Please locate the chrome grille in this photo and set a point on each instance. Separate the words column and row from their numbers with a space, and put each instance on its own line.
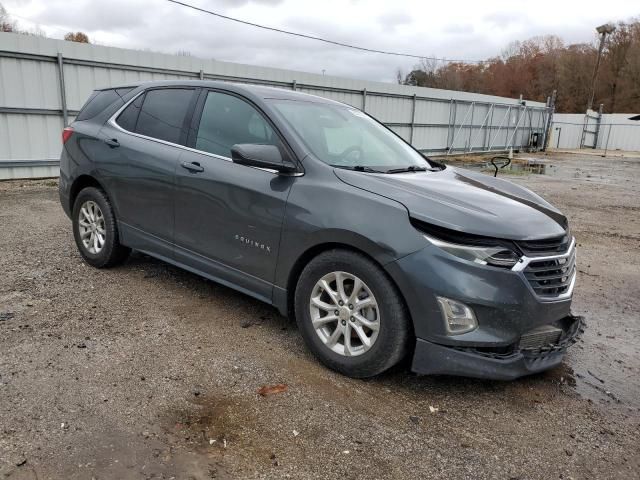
column 550, row 277
column 551, row 246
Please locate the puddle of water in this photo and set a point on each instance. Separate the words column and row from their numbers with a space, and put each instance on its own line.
column 516, row 167
column 535, row 168
column 591, row 170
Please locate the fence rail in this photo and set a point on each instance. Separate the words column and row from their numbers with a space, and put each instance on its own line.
column 430, row 121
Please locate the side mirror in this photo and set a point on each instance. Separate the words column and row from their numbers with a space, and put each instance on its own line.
column 261, row 156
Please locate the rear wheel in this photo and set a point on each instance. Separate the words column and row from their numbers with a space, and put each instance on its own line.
column 351, row 315
column 95, row 229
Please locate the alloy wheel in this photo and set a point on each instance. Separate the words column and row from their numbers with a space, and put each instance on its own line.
column 344, row 313
column 91, row 226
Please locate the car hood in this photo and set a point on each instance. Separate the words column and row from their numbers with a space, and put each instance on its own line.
column 466, row 201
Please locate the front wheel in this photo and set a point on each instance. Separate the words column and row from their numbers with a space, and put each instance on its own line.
column 95, row 229
column 351, row 315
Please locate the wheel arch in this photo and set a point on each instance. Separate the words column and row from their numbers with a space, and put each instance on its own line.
column 81, row 182
column 314, row 251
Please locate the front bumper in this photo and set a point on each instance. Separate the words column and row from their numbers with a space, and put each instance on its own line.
column 505, row 304
column 432, row 359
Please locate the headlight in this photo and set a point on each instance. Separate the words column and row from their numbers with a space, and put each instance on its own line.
column 496, row 256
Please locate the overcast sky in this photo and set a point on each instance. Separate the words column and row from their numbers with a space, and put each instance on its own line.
column 462, row 29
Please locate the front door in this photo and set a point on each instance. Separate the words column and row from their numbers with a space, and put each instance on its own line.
column 228, row 217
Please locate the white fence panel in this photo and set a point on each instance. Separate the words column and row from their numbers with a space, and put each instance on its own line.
column 616, row 131
column 33, row 70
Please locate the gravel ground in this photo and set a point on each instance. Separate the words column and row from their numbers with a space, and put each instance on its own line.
column 146, row 371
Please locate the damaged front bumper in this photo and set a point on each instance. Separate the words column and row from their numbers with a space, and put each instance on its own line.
column 496, row 364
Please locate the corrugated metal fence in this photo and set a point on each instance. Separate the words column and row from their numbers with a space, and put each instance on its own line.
column 44, row 83
column 604, row 131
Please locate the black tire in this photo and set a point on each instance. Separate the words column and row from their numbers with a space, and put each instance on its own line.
column 395, row 331
column 112, row 252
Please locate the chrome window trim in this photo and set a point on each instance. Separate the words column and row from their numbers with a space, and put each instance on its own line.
column 113, row 123
column 525, row 261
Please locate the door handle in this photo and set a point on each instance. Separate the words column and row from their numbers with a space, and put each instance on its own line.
column 192, row 167
column 112, row 142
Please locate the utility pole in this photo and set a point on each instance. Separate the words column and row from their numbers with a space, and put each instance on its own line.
column 603, row 30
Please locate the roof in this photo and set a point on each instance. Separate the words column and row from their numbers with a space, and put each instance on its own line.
column 259, row 91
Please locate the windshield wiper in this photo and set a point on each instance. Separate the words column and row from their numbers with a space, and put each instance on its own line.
column 359, row 168
column 410, row 168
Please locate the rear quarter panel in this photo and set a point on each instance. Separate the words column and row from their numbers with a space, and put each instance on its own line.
column 82, row 153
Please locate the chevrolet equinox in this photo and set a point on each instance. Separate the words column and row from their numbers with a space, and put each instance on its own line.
column 318, row 209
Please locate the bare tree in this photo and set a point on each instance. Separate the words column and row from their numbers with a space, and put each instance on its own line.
column 399, row 76
column 617, row 59
column 539, row 65
column 6, row 23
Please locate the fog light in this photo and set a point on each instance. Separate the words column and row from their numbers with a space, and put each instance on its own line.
column 458, row 318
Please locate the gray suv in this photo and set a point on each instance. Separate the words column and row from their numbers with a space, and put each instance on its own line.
column 315, row 207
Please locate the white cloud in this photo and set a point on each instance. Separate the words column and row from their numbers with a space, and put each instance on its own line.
column 464, row 29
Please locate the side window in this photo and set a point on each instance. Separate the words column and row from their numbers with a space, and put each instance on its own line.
column 227, row 120
column 129, row 116
column 123, row 91
column 163, row 113
column 98, row 101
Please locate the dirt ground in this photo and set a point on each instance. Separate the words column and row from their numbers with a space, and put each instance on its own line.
column 146, row 371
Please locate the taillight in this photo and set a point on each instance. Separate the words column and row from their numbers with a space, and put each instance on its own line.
column 66, row 134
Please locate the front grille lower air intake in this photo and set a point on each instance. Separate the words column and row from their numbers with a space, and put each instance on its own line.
column 544, row 336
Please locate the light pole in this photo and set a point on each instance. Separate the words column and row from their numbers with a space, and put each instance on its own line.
column 603, row 30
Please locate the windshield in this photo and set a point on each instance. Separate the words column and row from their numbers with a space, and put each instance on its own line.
column 345, row 137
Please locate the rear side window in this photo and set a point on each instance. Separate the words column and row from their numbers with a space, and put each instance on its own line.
column 129, row 116
column 162, row 114
column 123, row 91
column 98, row 101
column 227, row 120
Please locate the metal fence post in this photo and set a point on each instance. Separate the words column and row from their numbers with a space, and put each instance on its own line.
column 487, row 132
column 473, row 111
column 364, row 99
column 506, row 131
column 547, row 127
column 606, row 147
column 452, row 105
column 63, row 94
column 598, row 122
column 585, row 122
column 559, row 133
column 413, row 119
column 201, row 74
column 531, row 116
column 294, row 85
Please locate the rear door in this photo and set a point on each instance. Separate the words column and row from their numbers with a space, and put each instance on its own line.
column 143, row 144
column 228, row 216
